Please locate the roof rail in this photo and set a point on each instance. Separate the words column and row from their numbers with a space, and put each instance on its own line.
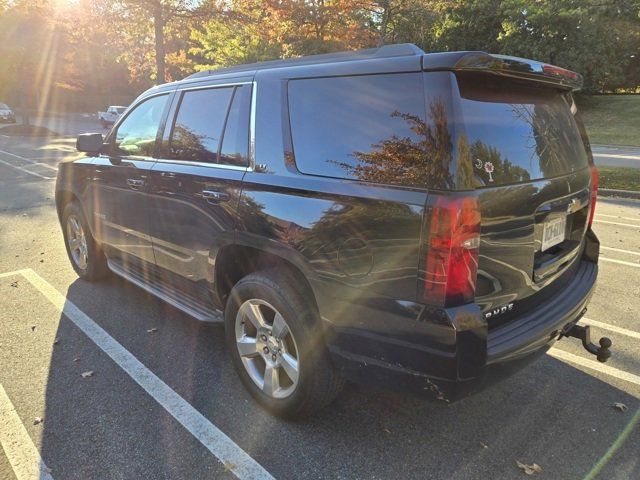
column 397, row 50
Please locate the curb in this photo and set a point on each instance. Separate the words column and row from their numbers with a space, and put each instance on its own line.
column 609, row 192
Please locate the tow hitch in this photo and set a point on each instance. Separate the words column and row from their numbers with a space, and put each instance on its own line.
column 602, row 352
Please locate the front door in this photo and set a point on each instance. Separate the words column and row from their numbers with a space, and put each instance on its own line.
column 121, row 181
column 196, row 183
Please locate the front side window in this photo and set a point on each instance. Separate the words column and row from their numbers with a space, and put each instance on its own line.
column 198, row 126
column 136, row 135
column 370, row 128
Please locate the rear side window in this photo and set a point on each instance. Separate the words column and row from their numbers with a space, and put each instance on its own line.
column 514, row 133
column 235, row 143
column 370, row 128
column 197, row 131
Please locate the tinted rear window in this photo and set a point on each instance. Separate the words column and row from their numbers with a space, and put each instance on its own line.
column 198, row 126
column 369, row 128
column 509, row 133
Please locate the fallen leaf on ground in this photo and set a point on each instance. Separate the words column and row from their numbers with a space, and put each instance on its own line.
column 33, row 328
column 484, row 445
column 76, row 359
column 87, row 374
column 56, row 341
column 14, row 284
column 228, row 466
column 387, row 430
column 532, row 469
column 152, row 330
column 38, row 420
column 620, row 406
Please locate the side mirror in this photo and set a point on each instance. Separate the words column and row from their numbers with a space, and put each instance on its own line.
column 89, row 142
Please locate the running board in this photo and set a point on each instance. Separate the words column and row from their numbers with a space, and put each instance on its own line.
column 184, row 302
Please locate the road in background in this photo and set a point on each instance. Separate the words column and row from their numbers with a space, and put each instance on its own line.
column 616, row 156
column 558, row 412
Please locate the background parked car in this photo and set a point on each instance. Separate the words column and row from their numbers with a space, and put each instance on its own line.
column 6, row 114
column 111, row 115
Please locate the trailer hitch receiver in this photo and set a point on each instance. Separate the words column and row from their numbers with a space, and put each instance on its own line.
column 602, row 352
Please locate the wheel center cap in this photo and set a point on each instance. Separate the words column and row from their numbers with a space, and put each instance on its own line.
column 273, row 344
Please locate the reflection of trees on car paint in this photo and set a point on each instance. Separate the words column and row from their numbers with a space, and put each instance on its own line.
column 188, row 145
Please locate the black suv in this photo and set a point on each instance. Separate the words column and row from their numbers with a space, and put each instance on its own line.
column 407, row 220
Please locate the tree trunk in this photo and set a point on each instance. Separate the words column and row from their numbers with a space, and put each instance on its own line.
column 158, row 25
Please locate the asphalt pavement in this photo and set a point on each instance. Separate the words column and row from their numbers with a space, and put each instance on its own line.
column 163, row 400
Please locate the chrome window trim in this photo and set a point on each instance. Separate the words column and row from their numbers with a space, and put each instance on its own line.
column 252, row 127
column 210, row 86
column 203, row 164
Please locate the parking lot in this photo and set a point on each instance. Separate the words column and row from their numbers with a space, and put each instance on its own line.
column 104, row 381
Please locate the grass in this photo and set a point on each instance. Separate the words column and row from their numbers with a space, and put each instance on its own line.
column 611, row 119
column 619, row 178
column 27, row 131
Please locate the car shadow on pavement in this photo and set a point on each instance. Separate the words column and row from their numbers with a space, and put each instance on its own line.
column 107, row 426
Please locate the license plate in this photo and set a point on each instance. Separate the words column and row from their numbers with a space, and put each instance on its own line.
column 553, row 232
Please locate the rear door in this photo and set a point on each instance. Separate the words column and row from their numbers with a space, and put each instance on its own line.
column 519, row 146
column 121, row 180
column 195, row 186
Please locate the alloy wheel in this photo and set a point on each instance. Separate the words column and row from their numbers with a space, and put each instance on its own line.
column 267, row 348
column 77, row 242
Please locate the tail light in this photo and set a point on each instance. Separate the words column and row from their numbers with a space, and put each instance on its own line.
column 594, row 193
column 451, row 251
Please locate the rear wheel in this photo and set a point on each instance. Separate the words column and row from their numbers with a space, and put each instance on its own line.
column 274, row 335
column 84, row 253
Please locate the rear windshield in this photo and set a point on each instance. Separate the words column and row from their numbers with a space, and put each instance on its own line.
column 508, row 133
column 120, row 110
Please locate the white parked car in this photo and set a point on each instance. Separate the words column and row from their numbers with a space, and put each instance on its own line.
column 111, row 115
column 6, row 114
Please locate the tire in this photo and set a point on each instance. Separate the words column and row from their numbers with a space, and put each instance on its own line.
column 86, row 257
column 317, row 382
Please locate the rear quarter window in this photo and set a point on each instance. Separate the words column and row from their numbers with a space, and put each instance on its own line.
column 371, row 128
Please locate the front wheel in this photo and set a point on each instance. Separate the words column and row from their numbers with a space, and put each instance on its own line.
column 84, row 253
column 274, row 335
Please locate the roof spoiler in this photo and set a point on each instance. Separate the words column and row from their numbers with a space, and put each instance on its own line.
column 503, row 65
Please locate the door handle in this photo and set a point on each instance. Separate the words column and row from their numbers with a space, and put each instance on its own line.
column 215, row 197
column 135, row 182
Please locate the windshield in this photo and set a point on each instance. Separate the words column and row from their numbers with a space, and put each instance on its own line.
column 516, row 133
column 3, row 106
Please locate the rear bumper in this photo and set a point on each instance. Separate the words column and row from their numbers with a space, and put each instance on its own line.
column 471, row 357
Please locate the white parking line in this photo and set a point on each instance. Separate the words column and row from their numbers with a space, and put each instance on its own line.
column 22, row 454
column 615, row 155
column 620, row 262
column 25, row 170
column 597, row 366
column 16, row 156
column 616, row 223
column 619, row 250
column 618, row 216
column 612, row 328
column 217, row 442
